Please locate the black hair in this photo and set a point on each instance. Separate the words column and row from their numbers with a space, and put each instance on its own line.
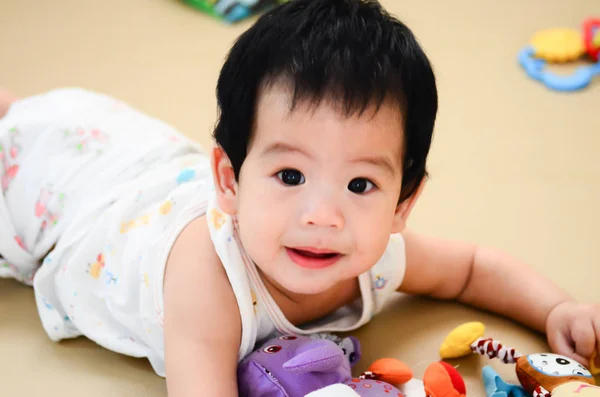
column 350, row 51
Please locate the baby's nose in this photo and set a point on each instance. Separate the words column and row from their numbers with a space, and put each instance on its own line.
column 323, row 211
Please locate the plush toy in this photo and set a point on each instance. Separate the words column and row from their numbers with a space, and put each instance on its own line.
column 495, row 386
column 320, row 366
column 290, row 366
column 377, row 381
column 541, row 375
column 439, row 380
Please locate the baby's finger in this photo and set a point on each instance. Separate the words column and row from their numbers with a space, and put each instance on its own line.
column 584, row 337
column 560, row 343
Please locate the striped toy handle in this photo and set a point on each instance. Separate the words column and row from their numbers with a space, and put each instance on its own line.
column 494, row 349
column 541, row 392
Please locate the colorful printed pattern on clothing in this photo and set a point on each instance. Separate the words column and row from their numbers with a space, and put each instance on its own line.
column 87, row 140
column 96, row 192
column 8, row 158
column 49, row 216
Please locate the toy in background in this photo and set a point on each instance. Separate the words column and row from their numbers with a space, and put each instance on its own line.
column 320, row 366
column 591, row 37
column 540, row 375
column 232, row 11
column 559, row 46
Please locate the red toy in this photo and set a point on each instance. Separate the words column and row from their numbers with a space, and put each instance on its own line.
column 591, row 37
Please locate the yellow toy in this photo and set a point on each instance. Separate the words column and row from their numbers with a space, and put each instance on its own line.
column 558, row 45
column 458, row 342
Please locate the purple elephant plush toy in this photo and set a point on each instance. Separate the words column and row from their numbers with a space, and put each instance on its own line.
column 294, row 366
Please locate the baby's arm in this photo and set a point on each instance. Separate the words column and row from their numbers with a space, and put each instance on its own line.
column 202, row 321
column 483, row 277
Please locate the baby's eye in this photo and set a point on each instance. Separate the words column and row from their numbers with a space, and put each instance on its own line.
column 360, row 185
column 291, row 177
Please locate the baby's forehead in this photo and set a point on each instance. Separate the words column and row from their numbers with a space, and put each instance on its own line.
column 283, row 96
column 280, row 118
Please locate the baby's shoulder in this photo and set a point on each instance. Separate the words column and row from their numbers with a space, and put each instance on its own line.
column 194, row 243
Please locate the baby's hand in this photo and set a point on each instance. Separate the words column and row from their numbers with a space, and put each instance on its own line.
column 573, row 330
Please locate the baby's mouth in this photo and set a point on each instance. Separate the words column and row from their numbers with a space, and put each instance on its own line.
column 316, row 254
column 313, row 258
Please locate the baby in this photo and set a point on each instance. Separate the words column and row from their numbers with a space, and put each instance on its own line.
column 295, row 222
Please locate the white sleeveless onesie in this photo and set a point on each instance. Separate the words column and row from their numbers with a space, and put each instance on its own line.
column 93, row 196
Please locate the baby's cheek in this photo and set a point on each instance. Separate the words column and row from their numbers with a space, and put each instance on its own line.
column 371, row 243
column 371, row 240
column 260, row 230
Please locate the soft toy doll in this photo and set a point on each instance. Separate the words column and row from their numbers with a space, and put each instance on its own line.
column 299, row 366
column 293, row 366
column 541, row 374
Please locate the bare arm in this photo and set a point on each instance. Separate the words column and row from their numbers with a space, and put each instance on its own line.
column 202, row 321
column 482, row 277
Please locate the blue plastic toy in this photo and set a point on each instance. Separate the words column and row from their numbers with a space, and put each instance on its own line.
column 536, row 69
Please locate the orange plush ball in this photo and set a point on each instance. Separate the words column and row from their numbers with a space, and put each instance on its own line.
column 443, row 380
column 391, row 370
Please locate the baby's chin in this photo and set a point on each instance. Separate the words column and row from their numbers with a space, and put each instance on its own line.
column 300, row 284
column 298, row 287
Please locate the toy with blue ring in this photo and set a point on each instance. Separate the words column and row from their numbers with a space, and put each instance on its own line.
column 561, row 46
column 536, row 69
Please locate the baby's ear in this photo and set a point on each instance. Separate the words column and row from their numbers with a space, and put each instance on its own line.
column 224, row 181
column 404, row 209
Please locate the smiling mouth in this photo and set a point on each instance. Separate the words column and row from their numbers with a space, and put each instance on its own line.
column 315, row 254
column 313, row 258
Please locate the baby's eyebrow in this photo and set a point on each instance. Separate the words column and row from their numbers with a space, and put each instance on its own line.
column 282, row 147
column 383, row 162
column 379, row 162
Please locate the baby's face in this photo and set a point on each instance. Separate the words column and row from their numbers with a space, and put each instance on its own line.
column 318, row 192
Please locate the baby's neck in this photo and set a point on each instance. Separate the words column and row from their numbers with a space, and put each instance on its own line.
column 300, row 309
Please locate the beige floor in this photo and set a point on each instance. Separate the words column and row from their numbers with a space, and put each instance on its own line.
column 513, row 165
